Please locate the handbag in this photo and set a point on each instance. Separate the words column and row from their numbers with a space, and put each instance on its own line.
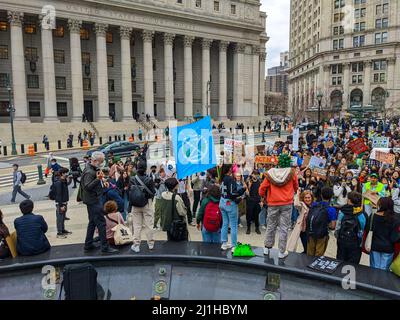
column 395, row 266
column 122, row 234
column 178, row 230
column 368, row 239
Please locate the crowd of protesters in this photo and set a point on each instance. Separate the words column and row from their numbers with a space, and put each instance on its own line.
column 347, row 199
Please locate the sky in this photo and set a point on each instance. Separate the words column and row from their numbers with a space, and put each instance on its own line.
column 278, row 16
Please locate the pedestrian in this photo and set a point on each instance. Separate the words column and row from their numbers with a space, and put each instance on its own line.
column 45, row 141
column 4, row 234
column 75, row 170
column 92, row 182
column 60, row 194
column 17, row 184
column 159, row 184
column 183, row 191
column 253, row 200
column 197, row 186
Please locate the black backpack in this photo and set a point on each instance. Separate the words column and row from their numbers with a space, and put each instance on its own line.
column 137, row 193
column 349, row 230
column 178, row 230
column 23, row 177
column 52, row 192
column 317, row 221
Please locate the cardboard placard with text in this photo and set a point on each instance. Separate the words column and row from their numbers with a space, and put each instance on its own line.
column 267, row 160
column 329, row 144
column 387, row 158
column 373, row 197
column 357, row 146
column 320, row 173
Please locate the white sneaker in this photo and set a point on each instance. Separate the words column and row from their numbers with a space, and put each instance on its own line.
column 240, row 225
column 151, row 246
column 225, row 246
column 264, row 227
column 233, row 250
column 135, row 248
column 266, row 251
column 283, row 255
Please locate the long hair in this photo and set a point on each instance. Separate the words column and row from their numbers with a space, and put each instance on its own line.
column 386, row 205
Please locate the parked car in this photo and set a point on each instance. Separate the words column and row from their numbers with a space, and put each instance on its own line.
column 118, row 148
column 308, row 126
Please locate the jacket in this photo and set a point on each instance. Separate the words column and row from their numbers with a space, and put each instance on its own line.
column 279, row 187
column 300, row 225
column 380, row 188
column 31, row 238
column 61, row 191
column 92, row 190
column 166, row 209
column 148, row 182
column 201, row 211
column 385, row 235
column 349, row 210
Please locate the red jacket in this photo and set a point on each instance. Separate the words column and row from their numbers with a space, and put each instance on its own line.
column 279, row 195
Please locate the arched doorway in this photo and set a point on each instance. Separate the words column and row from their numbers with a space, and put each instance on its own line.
column 356, row 98
column 336, row 99
column 378, row 98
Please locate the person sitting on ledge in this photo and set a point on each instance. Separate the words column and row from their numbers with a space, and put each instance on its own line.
column 113, row 218
column 31, row 231
column 4, row 233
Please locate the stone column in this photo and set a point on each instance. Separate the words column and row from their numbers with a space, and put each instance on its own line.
column 188, row 77
column 325, row 87
column 76, row 69
column 18, row 66
column 49, row 79
column 205, row 76
column 261, row 101
column 223, row 91
column 126, row 76
column 256, row 79
column 311, row 94
column 169, row 75
column 148, row 72
column 346, row 86
column 367, row 82
column 102, row 72
column 238, row 87
column 390, row 82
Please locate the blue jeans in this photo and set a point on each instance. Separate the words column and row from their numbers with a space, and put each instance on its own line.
column 263, row 217
column 126, row 205
column 229, row 218
column 211, row 237
column 380, row 260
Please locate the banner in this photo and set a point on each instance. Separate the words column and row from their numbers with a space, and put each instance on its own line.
column 357, row 146
column 267, row 160
column 380, row 142
column 296, row 136
column 387, row 158
column 194, row 148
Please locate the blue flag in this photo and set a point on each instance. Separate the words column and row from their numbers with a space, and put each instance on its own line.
column 194, row 148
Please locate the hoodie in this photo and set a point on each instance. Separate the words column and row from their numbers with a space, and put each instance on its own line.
column 348, row 210
column 279, row 187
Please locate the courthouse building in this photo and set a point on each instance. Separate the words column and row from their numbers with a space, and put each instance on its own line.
column 166, row 58
column 348, row 51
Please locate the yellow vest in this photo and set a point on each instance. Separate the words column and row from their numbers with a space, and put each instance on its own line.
column 379, row 187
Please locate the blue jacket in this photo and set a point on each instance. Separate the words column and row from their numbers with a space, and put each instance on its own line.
column 31, row 238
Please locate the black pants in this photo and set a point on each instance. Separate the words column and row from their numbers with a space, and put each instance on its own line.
column 96, row 219
column 252, row 212
column 348, row 253
column 186, row 201
column 169, row 238
column 304, row 238
column 75, row 181
column 196, row 200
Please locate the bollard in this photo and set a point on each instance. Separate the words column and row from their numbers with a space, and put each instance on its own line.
column 115, row 138
column 101, row 140
column 5, row 150
column 22, row 148
column 59, row 144
column 279, row 133
column 35, row 147
column 119, row 137
column 40, row 173
column 221, row 140
column 81, row 143
column 109, row 139
column 263, row 137
column 124, row 137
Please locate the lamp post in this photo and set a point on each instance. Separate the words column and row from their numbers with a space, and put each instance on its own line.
column 208, row 95
column 11, row 110
column 319, row 98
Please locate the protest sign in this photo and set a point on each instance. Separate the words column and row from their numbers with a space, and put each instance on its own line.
column 296, row 136
column 267, row 160
column 387, row 158
column 329, row 144
column 380, row 142
column 373, row 197
column 396, row 150
column 324, row 264
column 306, row 161
column 317, row 162
column 320, row 173
column 357, row 146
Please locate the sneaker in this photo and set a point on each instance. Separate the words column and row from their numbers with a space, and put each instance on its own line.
column 66, row 232
column 248, row 230
column 67, row 219
column 264, row 227
column 193, row 224
column 109, row 251
column 266, row 251
column 283, row 255
column 225, row 246
column 61, row 236
column 240, row 225
column 151, row 246
column 92, row 247
column 258, row 231
column 233, row 250
column 135, row 248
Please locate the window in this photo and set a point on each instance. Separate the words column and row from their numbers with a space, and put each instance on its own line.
column 216, row 6
column 357, row 67
column 233, row 9
column 133, row 86
column 339, row 4
column 3, row 80
column 3, row 109
column 337, row 69
column 84, row 34
column 109, row 37
column 154, row 65
column 34, row 108
column 61, row 83
column 381, row 37
column 385, row 8
column 379, row 77
column 380, row 65
column 154, row 87
column 62, row 110
column 198, row 3
column 110, row 61
column 336, row 81
column 30, row 28
column 357, row 79
column 3, row 52
column 85, row 58
column 87, row 85
column 59, row 32
column 3, row 26
column 33, row 81
column 31, row 54
column 338, row 44
column 358, row 41
column 111, row 87
column 179, row 1
column 59, row 56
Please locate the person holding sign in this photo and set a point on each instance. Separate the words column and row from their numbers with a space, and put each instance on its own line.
column 372, row 191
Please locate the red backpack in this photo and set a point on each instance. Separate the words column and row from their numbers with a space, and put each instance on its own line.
column 212, row 217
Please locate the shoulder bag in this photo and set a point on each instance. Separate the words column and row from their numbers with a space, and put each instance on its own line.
column 178, row 230
column 122, row 234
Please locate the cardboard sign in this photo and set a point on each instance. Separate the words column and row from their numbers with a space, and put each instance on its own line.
column 380, row 142
column 373, row 197
column 396, row 150
column 357, row 146
column 387, row 158
column 296, row 136
column 317, row 162
column 320, row 173
column 326, row 265
column 267, row 160
column 306, row 161
column 329, row 144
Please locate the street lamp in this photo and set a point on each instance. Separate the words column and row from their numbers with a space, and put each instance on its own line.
column 319, row 98
column 11, row 110
column 208, row 95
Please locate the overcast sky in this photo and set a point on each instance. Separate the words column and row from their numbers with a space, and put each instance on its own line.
column 278, row 16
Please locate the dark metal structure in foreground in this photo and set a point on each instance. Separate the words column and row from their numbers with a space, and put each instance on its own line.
column 193, row 271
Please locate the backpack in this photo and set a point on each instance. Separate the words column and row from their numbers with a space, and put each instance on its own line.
column 317, row 222
column 212, row 217
column 23, row 177
column 178, row 229
column 52, row 192
column 349, row 230
column 137, row 194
